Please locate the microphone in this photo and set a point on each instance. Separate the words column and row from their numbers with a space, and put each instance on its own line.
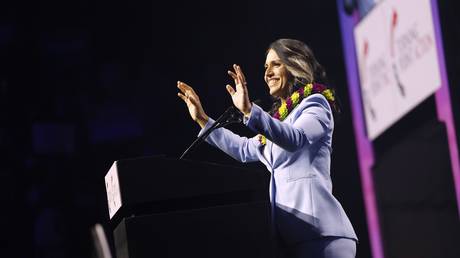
column 231, row 116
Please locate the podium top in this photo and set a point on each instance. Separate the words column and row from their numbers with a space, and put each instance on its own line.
column 147, row 181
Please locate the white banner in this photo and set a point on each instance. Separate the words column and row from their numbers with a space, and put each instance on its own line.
column 397, row 59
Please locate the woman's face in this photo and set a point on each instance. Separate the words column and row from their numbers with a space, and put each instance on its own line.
column 276, row 75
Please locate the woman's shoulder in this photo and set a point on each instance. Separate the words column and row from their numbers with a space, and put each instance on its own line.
column 315, row 100
column 314, row 104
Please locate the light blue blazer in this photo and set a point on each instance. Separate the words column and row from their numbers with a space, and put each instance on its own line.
column 298, row 156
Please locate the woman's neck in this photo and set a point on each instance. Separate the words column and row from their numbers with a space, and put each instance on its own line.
column 286, row 94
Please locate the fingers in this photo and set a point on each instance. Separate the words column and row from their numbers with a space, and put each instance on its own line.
column 233, row 75
column 236, row 75
column 190, row 100
column 182, row 86
column 182, row 96
column 187, row 91
column 239, row 72
column 239, row 78
column 185, row 88
column 230, row 90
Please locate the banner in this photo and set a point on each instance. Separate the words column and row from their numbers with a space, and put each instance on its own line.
column 397, row 61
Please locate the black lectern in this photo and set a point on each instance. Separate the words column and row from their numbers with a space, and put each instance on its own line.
column 162, row 207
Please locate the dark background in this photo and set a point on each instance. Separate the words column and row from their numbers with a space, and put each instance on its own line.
column 85, row 83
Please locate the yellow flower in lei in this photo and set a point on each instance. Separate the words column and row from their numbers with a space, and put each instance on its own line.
column 307, row 90
column 295, row 98
column 283, row 110
column 328, row 94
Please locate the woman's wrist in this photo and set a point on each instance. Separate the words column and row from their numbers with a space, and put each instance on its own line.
column 202, row 121
column 247, row 112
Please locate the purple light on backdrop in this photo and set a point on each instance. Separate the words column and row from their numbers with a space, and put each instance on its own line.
column 443, row 105
column 364, row 146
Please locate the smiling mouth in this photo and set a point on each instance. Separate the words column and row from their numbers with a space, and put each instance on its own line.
column 273, row 80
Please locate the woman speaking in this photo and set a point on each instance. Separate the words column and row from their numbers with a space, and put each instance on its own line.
column 294, row 142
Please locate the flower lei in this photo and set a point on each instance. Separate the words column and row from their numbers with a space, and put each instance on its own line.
column 293, row 101
column 290, row 103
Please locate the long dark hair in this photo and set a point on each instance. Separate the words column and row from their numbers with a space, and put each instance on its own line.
column 302, row 66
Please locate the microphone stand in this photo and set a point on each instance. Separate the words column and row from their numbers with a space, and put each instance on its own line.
column 230, row 116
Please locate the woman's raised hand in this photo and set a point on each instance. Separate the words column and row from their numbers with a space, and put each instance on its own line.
column 192, row 100
column 240, row 96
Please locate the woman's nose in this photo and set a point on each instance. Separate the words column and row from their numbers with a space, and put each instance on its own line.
column 269, row 73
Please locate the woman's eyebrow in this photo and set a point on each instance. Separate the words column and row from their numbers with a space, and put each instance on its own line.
column 272, row 61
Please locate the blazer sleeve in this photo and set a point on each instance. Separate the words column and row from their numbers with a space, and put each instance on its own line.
column 313, row 122
column 240, row 148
